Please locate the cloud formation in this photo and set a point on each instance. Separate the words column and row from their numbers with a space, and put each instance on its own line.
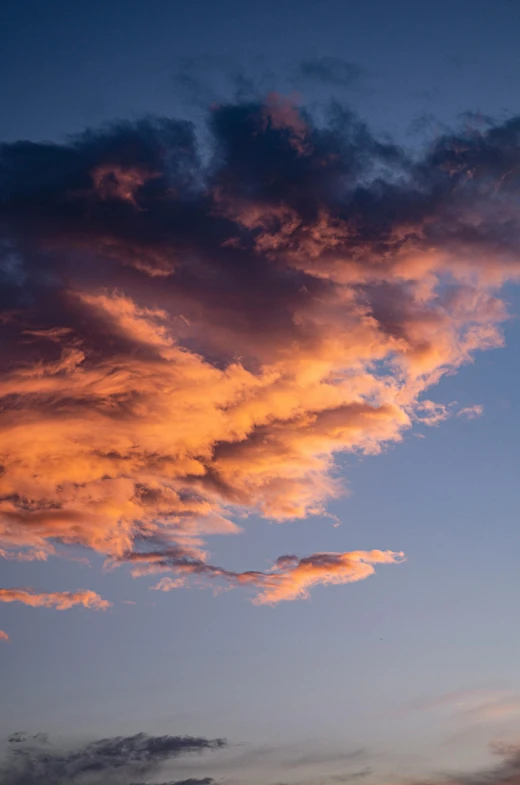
column 473, row 706
column 189, row 341
column 507, row 771
column 61, row 600
column 3, row 636
column 291, row 578
column 471, row 412
column 118, row 760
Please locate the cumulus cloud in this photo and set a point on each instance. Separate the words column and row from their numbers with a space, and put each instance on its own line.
column 3, row 636
column 118, row 760
column 188, row 342
column 61, row 600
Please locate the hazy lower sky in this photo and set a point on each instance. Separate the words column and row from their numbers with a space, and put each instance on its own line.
column 259, row 423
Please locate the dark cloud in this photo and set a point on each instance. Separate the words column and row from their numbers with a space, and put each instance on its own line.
column 20, row 737
column 191, row 781
column 119, row 760
column 331, row 71
column 189, row 337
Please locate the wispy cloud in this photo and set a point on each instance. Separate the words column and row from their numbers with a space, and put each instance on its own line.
column 61, row 600
column 291, row 577
column 470, row 706
column 119, row 760
column 471, row 412
column 168, row 584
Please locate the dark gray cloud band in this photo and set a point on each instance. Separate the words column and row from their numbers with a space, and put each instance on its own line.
column 120, row 760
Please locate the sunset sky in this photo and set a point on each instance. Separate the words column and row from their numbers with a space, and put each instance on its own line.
column 259, row 423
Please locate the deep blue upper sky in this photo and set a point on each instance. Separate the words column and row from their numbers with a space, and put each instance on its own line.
column 67, row 65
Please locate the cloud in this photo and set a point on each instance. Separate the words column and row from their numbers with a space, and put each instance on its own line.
column 470, row 707
column 190, row 781
column 471, row 412
column 329, row 756
column 460, row 699
column 61, row 600
column 494, row 709
column 291, row 577
column 331, row 71
column 507, row 771
column 118, row 760
column 3, row 636
column 187, row 343
column 20, row 737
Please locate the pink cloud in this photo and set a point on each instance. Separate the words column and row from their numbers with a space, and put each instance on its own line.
column 168, row 584
column 62, row 601
column 471, row 412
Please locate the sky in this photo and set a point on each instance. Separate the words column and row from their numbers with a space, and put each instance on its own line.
column 259, row 422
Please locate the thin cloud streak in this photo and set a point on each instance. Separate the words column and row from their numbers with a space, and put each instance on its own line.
column 291, row 578
column 471, row 412
column 61, row 601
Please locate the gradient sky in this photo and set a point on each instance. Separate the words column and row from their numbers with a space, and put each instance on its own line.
column 290, row 308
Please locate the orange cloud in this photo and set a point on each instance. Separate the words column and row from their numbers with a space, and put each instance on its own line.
column 117, row 182
column 291, row 577
column 62, row 601
column 186, row 346
column 3, row 636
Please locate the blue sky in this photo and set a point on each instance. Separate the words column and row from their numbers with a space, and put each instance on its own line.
column 404, row 675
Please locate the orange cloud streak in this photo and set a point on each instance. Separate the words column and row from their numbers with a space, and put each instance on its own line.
column 293, row 578
column 62, row 601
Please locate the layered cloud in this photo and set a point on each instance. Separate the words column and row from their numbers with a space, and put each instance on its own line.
column 192, row 334
column 61, row 600
column 118, row 760
column 141, row 759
